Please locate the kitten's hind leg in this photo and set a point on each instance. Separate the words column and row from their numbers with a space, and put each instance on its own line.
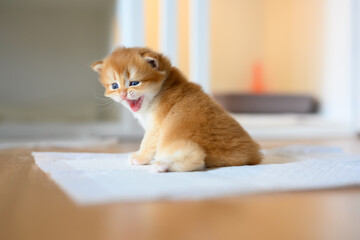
column 179, row 156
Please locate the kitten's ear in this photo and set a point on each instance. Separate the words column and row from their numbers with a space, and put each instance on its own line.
column 97, row 66
column 153, row 62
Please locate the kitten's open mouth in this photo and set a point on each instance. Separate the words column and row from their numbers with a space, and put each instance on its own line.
column 135, row 105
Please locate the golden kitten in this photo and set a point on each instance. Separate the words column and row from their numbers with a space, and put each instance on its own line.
column 185, row 130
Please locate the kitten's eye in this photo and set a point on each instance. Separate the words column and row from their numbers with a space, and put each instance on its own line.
column 114, row 86
column 134, row 83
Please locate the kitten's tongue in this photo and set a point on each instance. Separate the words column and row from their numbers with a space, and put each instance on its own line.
column 135, row 105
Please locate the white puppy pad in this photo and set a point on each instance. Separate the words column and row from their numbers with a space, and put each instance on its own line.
column 92, row 178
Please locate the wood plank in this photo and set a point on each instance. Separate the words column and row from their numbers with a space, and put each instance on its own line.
column 33, row 207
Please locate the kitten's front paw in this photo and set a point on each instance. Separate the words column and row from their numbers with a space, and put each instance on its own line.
column 137, row 159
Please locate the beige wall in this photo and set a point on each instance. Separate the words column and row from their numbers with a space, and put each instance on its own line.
column 293, row 45
column 183, row 24
column 152, row 24
column 285, row 36
column 236, row 43
column 152, row 30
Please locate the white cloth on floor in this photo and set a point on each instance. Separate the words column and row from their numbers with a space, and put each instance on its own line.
column 93, row 178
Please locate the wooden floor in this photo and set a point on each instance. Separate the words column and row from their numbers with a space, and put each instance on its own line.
column 33, row 207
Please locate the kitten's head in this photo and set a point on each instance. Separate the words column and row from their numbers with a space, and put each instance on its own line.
column 132, row 76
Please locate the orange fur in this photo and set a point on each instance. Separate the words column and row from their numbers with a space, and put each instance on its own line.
column 185, row 129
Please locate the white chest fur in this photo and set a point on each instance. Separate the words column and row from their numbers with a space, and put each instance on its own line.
column 144, row 116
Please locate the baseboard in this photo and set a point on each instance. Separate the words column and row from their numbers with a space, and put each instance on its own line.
column 292, row 126
column 261, row 127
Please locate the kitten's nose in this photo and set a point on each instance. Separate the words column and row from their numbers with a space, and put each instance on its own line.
column 123, row 95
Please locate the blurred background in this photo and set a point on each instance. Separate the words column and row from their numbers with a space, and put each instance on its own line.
column 286, row 69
